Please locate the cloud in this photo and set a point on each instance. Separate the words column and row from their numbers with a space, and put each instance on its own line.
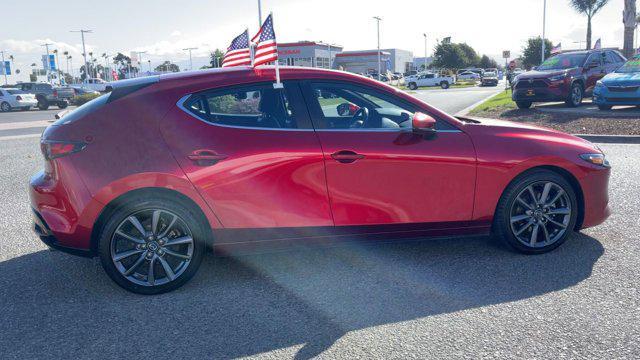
column 175, row 33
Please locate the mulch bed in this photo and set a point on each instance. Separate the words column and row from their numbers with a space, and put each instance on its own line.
column 569, row 123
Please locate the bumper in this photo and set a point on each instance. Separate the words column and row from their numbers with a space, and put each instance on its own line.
column 606, row 97
column 539, row 94
column 595, row 189
column 490, row 82
column 41, row 229
column 26, row 103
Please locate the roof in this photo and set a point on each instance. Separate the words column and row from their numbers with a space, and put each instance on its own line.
column 307, row 43
column 362, row 53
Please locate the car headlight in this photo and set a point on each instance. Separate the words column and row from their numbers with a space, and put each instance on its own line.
column 558, row 77
column 596, row 159
column 599, row 83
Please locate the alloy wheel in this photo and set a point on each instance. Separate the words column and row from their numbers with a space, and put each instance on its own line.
column 152, row 247
column 5, row 107
column 540, row 215
column 576, row 95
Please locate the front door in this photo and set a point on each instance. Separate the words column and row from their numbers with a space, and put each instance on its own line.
column 252, row 154
column 378, row 171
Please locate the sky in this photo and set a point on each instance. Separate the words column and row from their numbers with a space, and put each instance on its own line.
column 163, row 28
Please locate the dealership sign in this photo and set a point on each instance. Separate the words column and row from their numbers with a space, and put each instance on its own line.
column 289, row 52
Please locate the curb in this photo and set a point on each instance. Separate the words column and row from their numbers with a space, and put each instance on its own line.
column 467, row 110
column 611, row 139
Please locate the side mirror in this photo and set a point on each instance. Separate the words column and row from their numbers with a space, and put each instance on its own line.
column 423, row 124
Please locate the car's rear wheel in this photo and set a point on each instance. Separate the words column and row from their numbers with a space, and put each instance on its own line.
column 523, row 104
column 5, row 107
column 152, row 246
column 537, row 212
column 63, row 104
column 43, row 104
column 604, row 107
column 575, row 95
column 413, row 86
column 444, row 85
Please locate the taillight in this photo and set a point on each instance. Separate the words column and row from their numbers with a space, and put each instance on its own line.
column 55, row 93
column 18, row 98
column 55, row 149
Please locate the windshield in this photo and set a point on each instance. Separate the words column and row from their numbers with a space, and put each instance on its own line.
column 489, row 74
column 563, row 61
column 630, row 66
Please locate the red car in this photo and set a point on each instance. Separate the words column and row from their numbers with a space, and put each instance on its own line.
column 148, row 176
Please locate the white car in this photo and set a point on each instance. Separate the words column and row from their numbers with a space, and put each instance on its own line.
column 468, row 75
column 428, row 79
column 96, row 84
column 16, row 99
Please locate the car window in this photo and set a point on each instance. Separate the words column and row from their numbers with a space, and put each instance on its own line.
column 257, row 106
column 608, row 58
column 15, row 92
column 595, row 58
column 27, row 86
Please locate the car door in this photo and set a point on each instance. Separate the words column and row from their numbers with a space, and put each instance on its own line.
column 378, row 171
column 252, row 154
column 594, row 69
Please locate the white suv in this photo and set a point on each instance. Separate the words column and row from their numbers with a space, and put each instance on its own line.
column 428, row 79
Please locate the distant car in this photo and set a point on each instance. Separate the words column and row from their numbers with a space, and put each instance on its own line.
column 511, row 76
column 621, row 87
column 567, row 77
column 428, row 79
column 16, row 99
column 47, row 94
column 468, row 75
column 96, row 84
column 84, row 91
column 489, row 79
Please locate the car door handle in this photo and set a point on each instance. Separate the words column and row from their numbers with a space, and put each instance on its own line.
column 346, row 156
column 205, row 157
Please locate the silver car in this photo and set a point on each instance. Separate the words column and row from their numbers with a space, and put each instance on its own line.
column 16, row 99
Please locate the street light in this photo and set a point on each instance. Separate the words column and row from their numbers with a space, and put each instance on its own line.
column 378, row 19
column 84, row 50
column 544, row 25
column 425, row 51
column 190, row 60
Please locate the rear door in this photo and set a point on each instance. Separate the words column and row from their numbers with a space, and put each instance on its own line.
column 252, row 153
column 378, row 171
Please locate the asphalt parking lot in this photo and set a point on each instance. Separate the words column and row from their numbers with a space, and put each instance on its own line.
column 445, row 298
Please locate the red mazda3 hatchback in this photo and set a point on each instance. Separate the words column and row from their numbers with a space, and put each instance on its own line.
column 149, row 175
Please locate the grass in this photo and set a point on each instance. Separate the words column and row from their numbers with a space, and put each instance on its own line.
column 329, row 102
column 498, row 103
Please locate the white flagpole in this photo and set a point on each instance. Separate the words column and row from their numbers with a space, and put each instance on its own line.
column 250, row 47
column 278, row 84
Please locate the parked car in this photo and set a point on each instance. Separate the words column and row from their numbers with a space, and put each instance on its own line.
column 232, row 161
column 79, row 90
column 513, row 74
column 621, row 87
column 428, row 79
column 16, row 99
column 567, row 77
column 489, row 79
column 468, row 75
column 47, row 94
column 96, row 84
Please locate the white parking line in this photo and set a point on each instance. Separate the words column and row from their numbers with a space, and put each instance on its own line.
column 24, row 125
column 16, row 137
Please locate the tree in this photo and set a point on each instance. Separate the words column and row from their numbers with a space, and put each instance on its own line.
column 216, row 58
column 487, row 63
column 454, row 56
column 124, row 64
column 589, row 8
column 629, row 20
column 167, row 66
column 531, row 52
column 472, row 58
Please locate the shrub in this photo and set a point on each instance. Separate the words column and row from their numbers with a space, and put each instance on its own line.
column 81, row 99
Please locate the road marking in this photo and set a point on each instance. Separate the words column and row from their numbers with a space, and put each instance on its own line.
column 16, row 137
column 24, row 125
column 468, row 109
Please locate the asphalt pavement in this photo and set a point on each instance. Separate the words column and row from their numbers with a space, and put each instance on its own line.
column 438, row 298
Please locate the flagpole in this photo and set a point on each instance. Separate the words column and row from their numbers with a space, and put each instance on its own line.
column 278, row 84
column 250, row 47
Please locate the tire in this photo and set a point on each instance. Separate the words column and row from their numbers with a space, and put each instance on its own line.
column 108, row 89
column 413, row 86
column 575, row 96
column 444, row 85
column 5, row 107
column 523, row 104
column 154, row 253
column 43, row 103
column 553, row 225
column 63, row 104
column 604, row 107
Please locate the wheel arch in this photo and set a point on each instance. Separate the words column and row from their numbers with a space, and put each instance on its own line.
column 114, row 204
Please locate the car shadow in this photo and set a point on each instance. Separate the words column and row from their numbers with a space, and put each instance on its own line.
column 56, row 305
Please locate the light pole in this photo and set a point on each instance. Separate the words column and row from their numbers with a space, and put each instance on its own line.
column 259, row 14
column 544, row 25
column 189, row 50
column 378, row 18
column 46, row 63
column 84, row 50
column 425, row 51
column 73, row 77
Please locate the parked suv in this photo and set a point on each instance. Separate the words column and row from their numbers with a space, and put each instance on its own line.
column 47, row 94
column 565, row 77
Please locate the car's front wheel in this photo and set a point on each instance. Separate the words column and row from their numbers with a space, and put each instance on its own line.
column 5, row 107
column 575, row 95
column 413, row 86
column 537, row 212
column 444, row 84
column 152, row 246
column 523, row 104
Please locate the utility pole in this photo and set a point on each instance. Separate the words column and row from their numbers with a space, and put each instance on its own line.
column 259, row 14
column 190, row 59
column 4, row 68
column 46, row 63
column 378, row 18
column 84, row 51
column 425, row 51
column 544, row 25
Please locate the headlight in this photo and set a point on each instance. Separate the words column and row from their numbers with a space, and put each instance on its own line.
column 558, row 77
column 595, row 159
column 599, row 83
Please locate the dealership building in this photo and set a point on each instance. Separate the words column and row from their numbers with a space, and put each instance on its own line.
column 366, row 61
column 308, row 53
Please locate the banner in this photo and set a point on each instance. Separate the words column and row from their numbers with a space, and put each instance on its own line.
column 6, row 68
column 52, row 62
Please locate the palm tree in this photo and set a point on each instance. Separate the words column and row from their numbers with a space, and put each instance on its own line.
column 589, row 8
column 629, row 20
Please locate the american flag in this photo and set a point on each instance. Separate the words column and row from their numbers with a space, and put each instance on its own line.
column 238, row 52
column 266, row 49
column 556, row 49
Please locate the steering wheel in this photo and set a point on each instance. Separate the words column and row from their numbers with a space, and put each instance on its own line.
column 360, row 118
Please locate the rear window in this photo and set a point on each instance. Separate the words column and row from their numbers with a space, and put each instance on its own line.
column 83, row 110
